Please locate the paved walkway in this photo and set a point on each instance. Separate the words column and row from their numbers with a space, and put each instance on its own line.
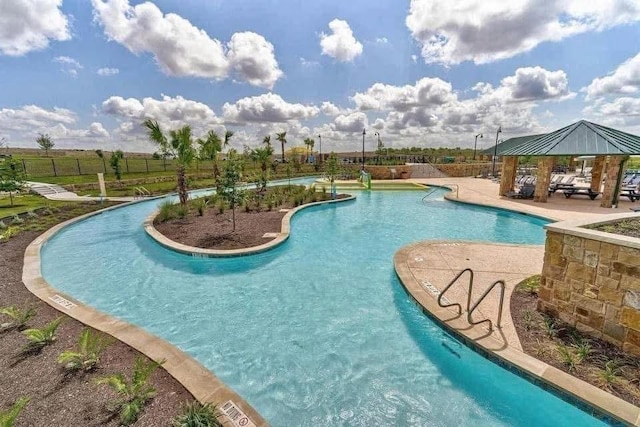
column 55, row 192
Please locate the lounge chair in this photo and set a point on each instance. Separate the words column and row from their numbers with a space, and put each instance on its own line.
column 526, row 192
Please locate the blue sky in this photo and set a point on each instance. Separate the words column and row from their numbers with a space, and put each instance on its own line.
column 420, row 73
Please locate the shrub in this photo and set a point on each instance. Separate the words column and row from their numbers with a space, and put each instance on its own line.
column 133, row 393
column 32, row 215
column 196, row 414
column 19, row 317
column 530, row 285
column 221, row 207
column 583, row 350
column 87, row 353
column 568, row 358
column 200, row 204
column 182, row 211
column 16, row 220
column 549, row 326
column 167, row 211
column 8, row 418
column 39, row 338
column 609, row 376
column 3, row 226
column 8, row 233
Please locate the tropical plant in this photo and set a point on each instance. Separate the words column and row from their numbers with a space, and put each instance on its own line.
column 609, row 376
column 229, row 191
column 115, row 163
column 282, row 137
column 267, row 141
column 527, row 318
column 86, row 355
column 196, row 414
column 9, row 233
column 133, row 393
column 583, row 350
column 200, row 204
column 209, row 150
column 19, row 317
column 332, row 170
column 45, row 142
column 12, row 177
column 182, row 211
column 167, row 211
column 39, row 338
column 309, row 142
column 530, row 285
column 8, row 418
column 16, row 220
column 180, row 145
column 568, row 358
column 262, row 156
column 549, row 326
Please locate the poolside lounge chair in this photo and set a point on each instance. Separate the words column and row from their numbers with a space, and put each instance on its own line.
column 635, row 208
column 566, row 182
column 526, row 192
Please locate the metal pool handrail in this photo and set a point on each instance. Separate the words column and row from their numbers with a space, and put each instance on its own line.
column 455, row 279
column 489, row 289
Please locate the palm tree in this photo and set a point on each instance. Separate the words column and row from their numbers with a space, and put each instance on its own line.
column 180, row 145
column 227, row 136
column 267, row 140
column 262, row 156
column 282, row 137
column 209, row 150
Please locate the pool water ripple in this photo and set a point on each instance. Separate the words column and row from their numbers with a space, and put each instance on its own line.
column 317, row 331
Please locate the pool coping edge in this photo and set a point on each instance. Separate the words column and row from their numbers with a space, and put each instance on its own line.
column 195, row 377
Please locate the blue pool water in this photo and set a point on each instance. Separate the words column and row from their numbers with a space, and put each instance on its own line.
column 319, row 331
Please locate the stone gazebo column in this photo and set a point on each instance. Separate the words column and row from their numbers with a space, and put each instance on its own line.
column 545, row 165
column 610, row 181
column 509, row 169
column 596, row 172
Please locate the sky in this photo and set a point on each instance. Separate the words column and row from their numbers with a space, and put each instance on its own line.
column 424, row 73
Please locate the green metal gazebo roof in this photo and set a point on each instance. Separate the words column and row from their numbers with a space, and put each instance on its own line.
column 582, row 138
column 509, row 144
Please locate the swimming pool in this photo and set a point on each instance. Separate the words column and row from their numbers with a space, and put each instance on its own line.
column 317, row 331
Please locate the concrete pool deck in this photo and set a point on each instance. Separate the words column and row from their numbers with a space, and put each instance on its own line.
column 425, row 268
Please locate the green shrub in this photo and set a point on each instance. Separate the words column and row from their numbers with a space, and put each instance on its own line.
column 16, row 220
column 200, row 204
column 167, row 211
column 609, row 376
column 32, row 215
column 133, row 393
column 221, row 207
column 39, row 338
column 19, row 317
column 530, row 285
column 182, row 211
column 3, row 226
column 196, row 414
column 9, row 233
column 8, row 418
column 583, row 350
column 86, row 355
column 568, row 358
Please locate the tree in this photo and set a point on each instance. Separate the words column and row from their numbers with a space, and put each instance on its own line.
column 115, row 162
column 99, row 153
column 231, row 176
column 282, row 137
column 12, row 177
column 309, row 143
column 180, row 145
column 262, row 156
column 267, row 140
column 209, row 150
column 44, row 142
column 331, row 169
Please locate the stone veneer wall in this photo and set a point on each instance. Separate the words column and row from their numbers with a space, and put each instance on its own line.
column 593, row 284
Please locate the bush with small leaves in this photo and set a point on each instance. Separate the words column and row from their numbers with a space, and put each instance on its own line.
column 16, row 220
column 133, row 393
column 86, row 355
column 8, row 418
column 32, row 215
column 19, row 317
column 196, row 414
column 39, row 338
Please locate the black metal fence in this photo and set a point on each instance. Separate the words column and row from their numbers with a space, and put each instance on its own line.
column 69, row 166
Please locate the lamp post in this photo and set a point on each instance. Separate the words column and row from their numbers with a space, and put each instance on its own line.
column 364, row 132
column 475, row 144
column 320, row 139
column 495, row 153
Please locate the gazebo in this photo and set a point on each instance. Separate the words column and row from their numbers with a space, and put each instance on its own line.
column 610, row 147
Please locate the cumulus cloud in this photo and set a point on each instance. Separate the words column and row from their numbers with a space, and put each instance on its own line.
column 268, row 107
column 69, row 65
column 182, row 49
column 426, row 91
column 340, row 44
column 33, row 117
column 28, row 25
column 486, row 31
column 382, row 40
column 624, row 80
column 353, row 122
column 330, row 109
column 104, row 72
column 623, row 111
column 536, row 83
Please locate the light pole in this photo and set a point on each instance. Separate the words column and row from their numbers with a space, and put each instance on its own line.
column 495, row 153
column 320, row 138
column 364, row 132
column 475, row 144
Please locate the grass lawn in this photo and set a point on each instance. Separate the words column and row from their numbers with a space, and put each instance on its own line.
column 93, row 178
column 24, row 203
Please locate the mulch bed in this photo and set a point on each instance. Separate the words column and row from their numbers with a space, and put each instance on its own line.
column 626, row 227
column 536, row 341
column 59, row 399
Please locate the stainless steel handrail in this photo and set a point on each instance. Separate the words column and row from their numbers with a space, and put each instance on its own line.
column 470, row 312
column 446, row 288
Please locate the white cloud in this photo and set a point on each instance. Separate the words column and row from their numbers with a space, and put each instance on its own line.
column 490, row 30
column 414, row 59
column 536, row 83
column 426, row 91
column 251, row 55
column 623, row 111
column 268, row 107
column 104, row 72
column 181, row 49
column 97, row 130
column 341, row 44
column 382, row 40
column 307, row 63
column 353, row 122
column 28, row 25
column 624, row 80
column 32, row 118
column 69, row 65
column 330, row 109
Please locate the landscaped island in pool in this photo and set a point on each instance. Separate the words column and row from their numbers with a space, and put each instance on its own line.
column 318, row 331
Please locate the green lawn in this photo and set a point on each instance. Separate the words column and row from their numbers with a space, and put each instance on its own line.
column 24, row 203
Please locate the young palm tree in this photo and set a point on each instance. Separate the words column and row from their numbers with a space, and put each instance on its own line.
column 227, row 136
column 282, row 137
column 267, row 140
column 209, row 150
column 180, row 145
column 262, row 156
